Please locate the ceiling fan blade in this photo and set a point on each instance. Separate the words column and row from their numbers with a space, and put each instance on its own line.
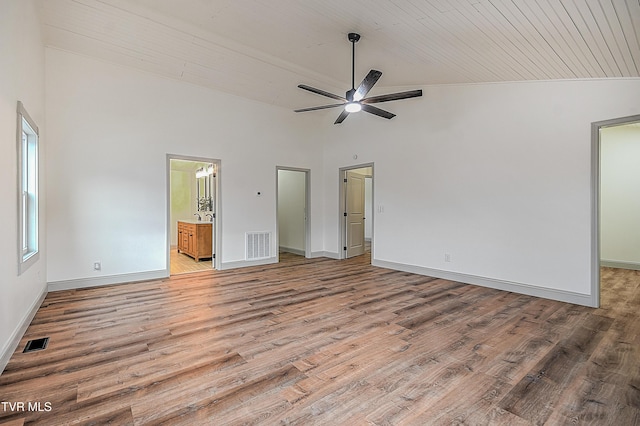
column 341, row 117
column 318, row 107
column 321, row 92
column 377, row 111
column 367, row 84
column 393, row 96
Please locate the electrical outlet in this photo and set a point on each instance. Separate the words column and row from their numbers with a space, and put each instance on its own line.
column 447, row 257
column 97, row 266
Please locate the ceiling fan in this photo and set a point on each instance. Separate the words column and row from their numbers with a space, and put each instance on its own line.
column 354, row 99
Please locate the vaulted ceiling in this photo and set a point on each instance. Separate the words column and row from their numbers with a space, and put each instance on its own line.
column 262, row 49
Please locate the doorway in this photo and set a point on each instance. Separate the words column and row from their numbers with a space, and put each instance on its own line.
column 615, row 209
column 356, row 210
column 193, row 214
column 292, row 211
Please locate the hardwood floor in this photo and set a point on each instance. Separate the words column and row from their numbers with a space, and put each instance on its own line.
column 330, row 343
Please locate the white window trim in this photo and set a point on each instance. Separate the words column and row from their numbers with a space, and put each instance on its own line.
column 28, row 214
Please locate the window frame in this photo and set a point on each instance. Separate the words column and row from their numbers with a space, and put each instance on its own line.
column 28, row 238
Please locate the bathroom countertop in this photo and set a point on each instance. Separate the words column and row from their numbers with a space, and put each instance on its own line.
column 195, row 221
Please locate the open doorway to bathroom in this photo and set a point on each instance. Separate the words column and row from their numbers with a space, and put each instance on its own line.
column 193, row 214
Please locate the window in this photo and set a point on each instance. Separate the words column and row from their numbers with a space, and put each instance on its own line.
column 27, row 138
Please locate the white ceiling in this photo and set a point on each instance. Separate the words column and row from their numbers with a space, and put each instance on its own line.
column 262, row 49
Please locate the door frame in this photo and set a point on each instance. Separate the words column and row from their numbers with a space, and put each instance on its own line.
column 307, row 209
column 342, row 205
column 596, row 151
column 217, row 222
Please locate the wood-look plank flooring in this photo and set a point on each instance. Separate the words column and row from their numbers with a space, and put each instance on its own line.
column 181, row 263
column 328, row 342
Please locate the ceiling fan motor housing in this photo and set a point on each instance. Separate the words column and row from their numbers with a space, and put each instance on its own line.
column 350, row 94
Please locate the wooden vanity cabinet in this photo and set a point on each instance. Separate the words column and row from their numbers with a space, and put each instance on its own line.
column 194, row 239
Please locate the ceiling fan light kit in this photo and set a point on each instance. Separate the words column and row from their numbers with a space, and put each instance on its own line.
column 355, row 99
column 353, row 107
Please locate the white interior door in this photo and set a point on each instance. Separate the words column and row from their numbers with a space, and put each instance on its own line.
column 355, row 213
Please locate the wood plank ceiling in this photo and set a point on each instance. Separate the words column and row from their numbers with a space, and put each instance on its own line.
column 261, row 49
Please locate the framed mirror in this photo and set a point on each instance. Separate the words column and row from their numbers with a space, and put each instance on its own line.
column 205, row 187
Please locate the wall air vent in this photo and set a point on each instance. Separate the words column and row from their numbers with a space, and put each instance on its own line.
column 258, row 245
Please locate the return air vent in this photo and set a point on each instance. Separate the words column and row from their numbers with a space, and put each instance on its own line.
column 258, row 245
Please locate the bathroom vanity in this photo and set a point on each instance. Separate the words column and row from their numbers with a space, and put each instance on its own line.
column 194, row 239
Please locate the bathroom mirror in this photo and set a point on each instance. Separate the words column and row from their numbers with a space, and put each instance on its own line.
column 205, row 187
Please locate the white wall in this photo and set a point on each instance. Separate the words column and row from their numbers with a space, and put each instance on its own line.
column 111, row 128
column 503, row 184
column 368, row 208
column 22, row 78
column 620, row 196
column 291, row 205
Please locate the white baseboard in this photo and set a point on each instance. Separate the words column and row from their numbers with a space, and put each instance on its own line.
column 247, row 263
column 292, row 250
column 546, row 293
column 329, row 254
column 14, row 340
column 106, row 280
column 622, row 265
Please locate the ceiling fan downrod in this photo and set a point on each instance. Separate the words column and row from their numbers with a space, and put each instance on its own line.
column 353, row 38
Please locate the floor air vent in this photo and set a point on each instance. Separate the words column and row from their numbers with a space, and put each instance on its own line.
column 258, row 245
column 36, row 345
